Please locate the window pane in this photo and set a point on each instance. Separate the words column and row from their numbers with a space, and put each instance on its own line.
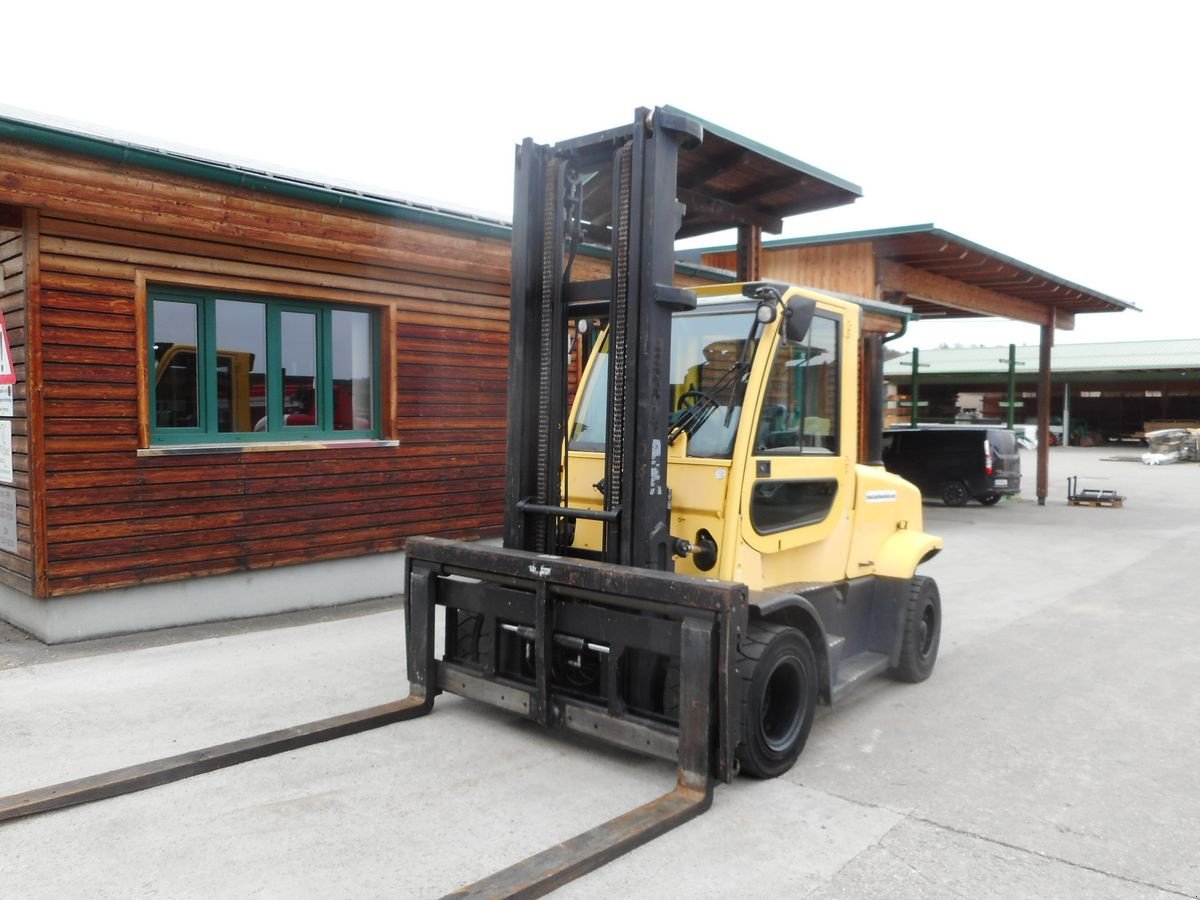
column 353, row 375
column 176, row 398
column 800, row 409
column 779, row 505
column 298, row 354
column 241, row 365
column 706, row 384
column 821, row 405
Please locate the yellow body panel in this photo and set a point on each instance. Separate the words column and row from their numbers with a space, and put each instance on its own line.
column 873, row 520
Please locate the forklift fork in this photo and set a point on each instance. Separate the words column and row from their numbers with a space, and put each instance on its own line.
column 709, row 617
column 552, row 868
column 539, row 591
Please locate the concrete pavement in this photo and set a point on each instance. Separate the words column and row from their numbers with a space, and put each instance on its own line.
column 1052, row 754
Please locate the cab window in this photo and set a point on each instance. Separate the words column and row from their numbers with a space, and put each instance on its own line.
column 801, row 402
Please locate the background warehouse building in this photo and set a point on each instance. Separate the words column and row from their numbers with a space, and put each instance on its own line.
column 1100, row 392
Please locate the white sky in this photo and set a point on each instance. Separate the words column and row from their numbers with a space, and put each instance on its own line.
column 1063, row 134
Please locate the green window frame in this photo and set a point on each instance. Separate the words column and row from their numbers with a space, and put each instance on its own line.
column 223, row 398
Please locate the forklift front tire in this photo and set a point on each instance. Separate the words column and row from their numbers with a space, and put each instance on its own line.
column 779, row 697
column 922, row 631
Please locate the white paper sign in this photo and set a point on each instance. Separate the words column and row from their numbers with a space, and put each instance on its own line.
column 6, row 468
column 8, row 519
column 6, row 399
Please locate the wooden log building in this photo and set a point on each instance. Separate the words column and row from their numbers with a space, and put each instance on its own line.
column 132, row 466
column 225, row 372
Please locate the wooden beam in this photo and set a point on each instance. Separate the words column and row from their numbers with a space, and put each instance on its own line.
column 743, row 215
column 878, row 323
column 894, row 276
column 749, row 253
column 35, row 409
column 1045, row 386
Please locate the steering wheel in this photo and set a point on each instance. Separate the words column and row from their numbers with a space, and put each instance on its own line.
column 689, row 399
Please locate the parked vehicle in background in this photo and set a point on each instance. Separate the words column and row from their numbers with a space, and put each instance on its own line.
column 957, row 463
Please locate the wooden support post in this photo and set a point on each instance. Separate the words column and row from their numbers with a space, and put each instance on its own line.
column 1012, row 386
column 749, row 252
column 915, row 391
column 1045, row 385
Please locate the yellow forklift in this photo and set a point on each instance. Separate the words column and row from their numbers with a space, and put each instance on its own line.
column 701, row 545
column 694, row 553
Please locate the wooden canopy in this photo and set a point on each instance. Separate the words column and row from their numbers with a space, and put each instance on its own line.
column 725, row 180
column 939, row 274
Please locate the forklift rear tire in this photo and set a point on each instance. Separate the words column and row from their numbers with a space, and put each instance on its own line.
column 954, row 493
column 922, row 631
column 779, row 697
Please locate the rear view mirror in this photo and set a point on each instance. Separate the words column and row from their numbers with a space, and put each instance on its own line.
column 798, row 318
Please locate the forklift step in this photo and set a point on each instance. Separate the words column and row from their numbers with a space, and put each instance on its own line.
column 856, row 669
column 835, row 643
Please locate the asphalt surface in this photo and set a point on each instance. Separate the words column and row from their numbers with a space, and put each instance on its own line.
column 1052, row 754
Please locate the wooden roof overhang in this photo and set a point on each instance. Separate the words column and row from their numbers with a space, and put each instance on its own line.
column 725, row 180
column 941, row 275
column 731, row 181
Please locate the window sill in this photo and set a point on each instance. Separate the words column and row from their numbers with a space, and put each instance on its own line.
column 262, row 447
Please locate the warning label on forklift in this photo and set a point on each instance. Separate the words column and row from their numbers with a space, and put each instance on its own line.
column 881, row 496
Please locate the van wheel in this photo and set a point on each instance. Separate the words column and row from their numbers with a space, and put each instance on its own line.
column 989, row 499
column 954, row 493
column 922, row 631
column 779, row 697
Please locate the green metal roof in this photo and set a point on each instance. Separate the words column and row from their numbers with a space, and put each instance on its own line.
column 111, row 149
column 1124, row 356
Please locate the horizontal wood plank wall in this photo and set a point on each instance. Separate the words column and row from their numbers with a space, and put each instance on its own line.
column 16, row 570
column 116, row 519
column 848, row 268
column 113, row 518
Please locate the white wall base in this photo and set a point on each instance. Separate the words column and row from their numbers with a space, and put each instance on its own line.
column 209, row 599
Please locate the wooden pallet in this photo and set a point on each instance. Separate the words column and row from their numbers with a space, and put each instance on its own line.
column 1115, row 502
column 1091, row 496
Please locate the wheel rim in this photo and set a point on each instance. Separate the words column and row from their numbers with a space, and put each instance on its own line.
column 954, row 494
column 782, row 713
column 928, row 631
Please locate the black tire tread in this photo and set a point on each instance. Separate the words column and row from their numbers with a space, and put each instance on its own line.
column 911, row 667
column 751, row 649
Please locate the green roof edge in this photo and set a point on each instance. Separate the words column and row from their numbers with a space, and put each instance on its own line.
column 230, row 174
column 770, row 152
column 849, row 237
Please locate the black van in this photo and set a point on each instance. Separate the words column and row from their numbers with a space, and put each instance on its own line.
column 955, row 462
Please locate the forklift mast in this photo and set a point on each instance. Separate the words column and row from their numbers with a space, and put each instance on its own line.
column 615, row 189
